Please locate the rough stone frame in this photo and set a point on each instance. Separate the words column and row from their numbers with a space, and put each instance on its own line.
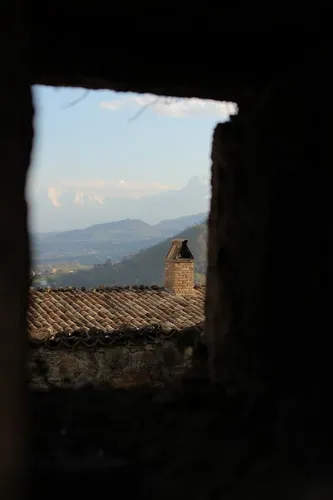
column 305, row 143
column 16, row 145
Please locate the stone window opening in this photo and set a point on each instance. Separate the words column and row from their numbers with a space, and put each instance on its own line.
column 179, row 257
column 270, row 251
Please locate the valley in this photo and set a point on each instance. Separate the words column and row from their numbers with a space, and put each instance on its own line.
column 104, row 253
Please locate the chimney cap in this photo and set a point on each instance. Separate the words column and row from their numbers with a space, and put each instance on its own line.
column 179, row 250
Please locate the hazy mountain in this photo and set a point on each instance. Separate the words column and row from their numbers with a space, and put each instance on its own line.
column 110, row 231
column 146, row 267
column 172, row 226
column 114, row 240
column 80, row 208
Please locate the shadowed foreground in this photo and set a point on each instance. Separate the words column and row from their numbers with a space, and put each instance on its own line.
column 197, row 443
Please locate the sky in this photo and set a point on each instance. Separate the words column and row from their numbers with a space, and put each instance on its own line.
column 110, row 141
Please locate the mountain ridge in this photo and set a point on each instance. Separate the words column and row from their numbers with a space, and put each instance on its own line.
column 116, row 239
column 146, row 267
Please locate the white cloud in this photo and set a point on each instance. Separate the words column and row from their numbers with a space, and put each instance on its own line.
column 177, row 108
column 53, row 195
column 99, row 199
column 98, row 190
column 79, row 198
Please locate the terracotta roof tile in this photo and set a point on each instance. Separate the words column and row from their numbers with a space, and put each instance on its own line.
column 53, row 312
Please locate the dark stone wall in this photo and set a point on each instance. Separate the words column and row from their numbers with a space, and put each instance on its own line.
column 63, row 60
column 269, row 285
column 16, row 115
column 237, row 249
column 155, row 364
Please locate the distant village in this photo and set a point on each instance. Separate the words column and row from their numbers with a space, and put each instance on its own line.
column 44, row 276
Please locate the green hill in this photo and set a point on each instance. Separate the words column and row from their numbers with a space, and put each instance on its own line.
column 144, row 268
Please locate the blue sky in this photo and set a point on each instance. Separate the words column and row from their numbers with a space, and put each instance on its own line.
column 92, row 148
column 87, row 141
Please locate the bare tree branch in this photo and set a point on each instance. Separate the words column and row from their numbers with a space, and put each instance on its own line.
column 166, row 100
column 152, row 103
column 76, row 101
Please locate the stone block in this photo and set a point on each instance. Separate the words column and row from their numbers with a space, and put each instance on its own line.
column 171, row 356
column 141, row 359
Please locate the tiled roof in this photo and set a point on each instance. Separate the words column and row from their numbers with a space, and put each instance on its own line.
column 70, row 311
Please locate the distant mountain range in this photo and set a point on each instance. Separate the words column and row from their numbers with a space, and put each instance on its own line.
column 81, row 207
column 144, row 268
column 112, row 240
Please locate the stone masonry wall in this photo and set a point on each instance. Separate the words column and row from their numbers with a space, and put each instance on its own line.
column 154, row 364
column 15, row 145
column 179, row 276
column 269, row 274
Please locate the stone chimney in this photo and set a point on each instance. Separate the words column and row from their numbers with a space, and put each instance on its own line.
column 179, row 268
